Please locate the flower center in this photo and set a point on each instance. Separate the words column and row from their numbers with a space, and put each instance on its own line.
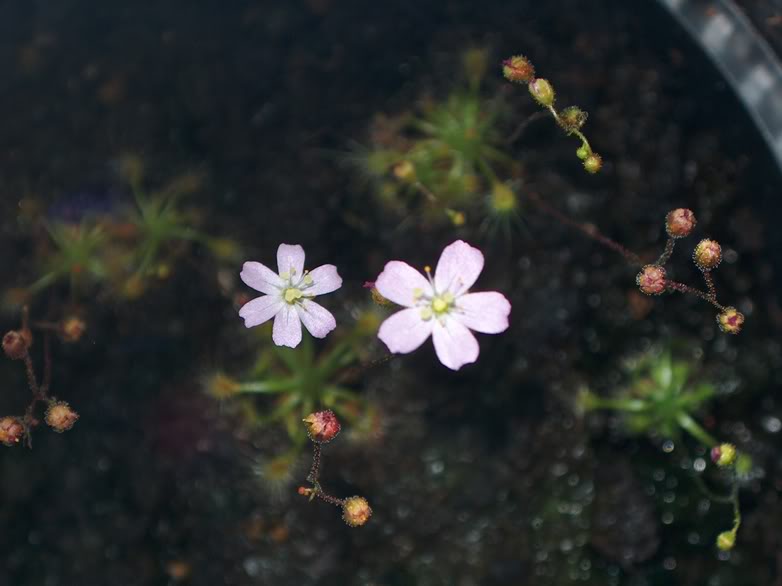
column 437, row 306
column 291, row 295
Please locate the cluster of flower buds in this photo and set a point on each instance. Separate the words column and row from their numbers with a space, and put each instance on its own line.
column 652, row 279
column 323, row 427
column 519, row 69
column 59, row 415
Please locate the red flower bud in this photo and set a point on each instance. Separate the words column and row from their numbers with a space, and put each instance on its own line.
column 518, row 69
column 11, row 430
column 679, row 223
column 59, row 416
column 16, row 343
column 707, row 255
column 322, row 426
column 356, row 511
column 72, row 329
column 730, row 320
column 651, row 280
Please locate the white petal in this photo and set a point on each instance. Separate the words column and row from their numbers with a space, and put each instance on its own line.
column 287, row 327
column 316, row 318
column 290, row 256
column 325, row 279
column 458, row 268
column 454, row 343
column 260, row 310
column 261, row 278
column 399, row 280
column 405, row 331
column 485, row 312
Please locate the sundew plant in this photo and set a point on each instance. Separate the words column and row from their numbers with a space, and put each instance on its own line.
column 349, row 293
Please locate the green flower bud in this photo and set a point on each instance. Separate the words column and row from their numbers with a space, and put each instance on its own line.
column 726, row 540
column 593, row 163
column 542, row 91
column 572, row 118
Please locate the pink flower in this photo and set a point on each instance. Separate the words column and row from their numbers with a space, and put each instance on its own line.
column 288, row 296
column 441, row 306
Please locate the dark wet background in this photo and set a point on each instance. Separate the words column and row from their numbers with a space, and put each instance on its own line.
column 485, row 477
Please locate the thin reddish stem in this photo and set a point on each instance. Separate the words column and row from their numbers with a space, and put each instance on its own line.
column 589, row 230
column 682, row 288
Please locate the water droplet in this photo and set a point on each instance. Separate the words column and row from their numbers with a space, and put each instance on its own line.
column 668, row 446
column 772, row 424
column 699, row 465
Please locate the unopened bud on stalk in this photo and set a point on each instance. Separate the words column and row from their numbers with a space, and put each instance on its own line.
column 730, row 320
column 11, row 430
column 593, row 163
column 707, row 255
column 356, row 511
column 16, row 343
column 518, row 69
column 542, row 91
column 322, row 426
column 59, row 416
column 572, row 118
column 723, row 455
column 726, row 540
column 72, row 329
column 679, row 223
column 651, row 280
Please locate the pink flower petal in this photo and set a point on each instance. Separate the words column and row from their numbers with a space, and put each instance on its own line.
column 290, row 256
column 458, row 268
column 316, row 318
column 485, row 312
column 261, row 278
column 399, row 280
column 325, row 279
column 287, row 327
column 405, row 331
column 454, row 343
column 260, row 310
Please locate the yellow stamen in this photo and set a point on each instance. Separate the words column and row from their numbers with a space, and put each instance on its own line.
column 292, row 294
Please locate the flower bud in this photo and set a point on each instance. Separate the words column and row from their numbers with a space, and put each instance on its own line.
column 679, row 223
column 356, row 511
column 723, row 455
column 72, row 329
column 651, row 280
column 11, row 430
column 59, row 416
column 518, row 69
column 16, row 343
column 322, row 426
column 726, row 540
column 572, row 118
column 542, row 91
column 707, row 255
column 593, row 163
column 730, row 320
column 582, row 152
